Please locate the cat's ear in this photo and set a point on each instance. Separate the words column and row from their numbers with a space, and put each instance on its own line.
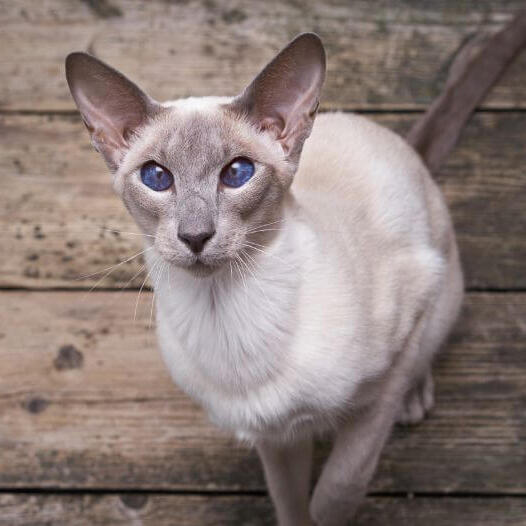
column 112, row 106
column 284, row 97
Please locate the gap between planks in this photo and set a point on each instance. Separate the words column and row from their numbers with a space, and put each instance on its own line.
column 203, row 492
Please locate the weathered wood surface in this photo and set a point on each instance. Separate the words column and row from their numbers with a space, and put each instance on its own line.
column 85, row 402
column 179, row 510
column 381, row 54
column 56, row 200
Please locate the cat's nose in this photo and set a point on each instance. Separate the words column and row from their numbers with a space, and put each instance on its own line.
column 195, row 241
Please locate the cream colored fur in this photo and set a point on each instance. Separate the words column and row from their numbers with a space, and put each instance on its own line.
column 364, row 248
column 327, row 287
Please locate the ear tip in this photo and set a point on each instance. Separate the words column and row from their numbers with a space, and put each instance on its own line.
column 75, row 56
column 310, row 35
column 74, row 60
column 313, row 41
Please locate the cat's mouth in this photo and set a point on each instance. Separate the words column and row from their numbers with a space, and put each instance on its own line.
column 199, row 268
column 199, row 265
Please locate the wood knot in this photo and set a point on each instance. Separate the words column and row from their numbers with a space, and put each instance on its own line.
column 68, row 357
column 134, row 501
column 36, row 405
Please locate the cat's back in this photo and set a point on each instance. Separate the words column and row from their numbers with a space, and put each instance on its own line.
column 362, row 175
column 347, row 150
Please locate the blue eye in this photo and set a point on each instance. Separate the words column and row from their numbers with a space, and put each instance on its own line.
column 156, row 177
column 237, row 173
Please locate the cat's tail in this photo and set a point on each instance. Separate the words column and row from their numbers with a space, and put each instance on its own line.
column 476, row 68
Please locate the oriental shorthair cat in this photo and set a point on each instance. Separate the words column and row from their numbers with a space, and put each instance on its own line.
column 307, row 268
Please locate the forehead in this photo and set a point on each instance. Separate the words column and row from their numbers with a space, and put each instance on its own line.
column 195, row 135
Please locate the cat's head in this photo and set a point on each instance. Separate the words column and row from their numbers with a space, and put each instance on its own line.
column 204, row 176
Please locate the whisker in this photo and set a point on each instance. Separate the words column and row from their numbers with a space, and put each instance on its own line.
column 246, row 244
column 117, row 295
column 244, row 263
column 153, row 296
column 266, row 230
column 159, row 274
column 267, row 224
column 257, row 244
column 141, row 270
column 241, row 275
column 249, row 259
column 127, row 233
column 255, row 264
column 142, row 286
column 68, row 230
column 112, row 267
column 256, row 281
column 250, row 245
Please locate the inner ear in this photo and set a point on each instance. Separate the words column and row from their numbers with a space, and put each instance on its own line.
column 284, row 97
column 112, row 107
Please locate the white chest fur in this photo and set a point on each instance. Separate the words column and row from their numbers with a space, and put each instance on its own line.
column 231, row 327
column 225, row 338
column 236, row 345
column 327, row 308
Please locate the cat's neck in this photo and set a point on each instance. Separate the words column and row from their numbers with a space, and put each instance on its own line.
column 240, row 318
column 264, row 266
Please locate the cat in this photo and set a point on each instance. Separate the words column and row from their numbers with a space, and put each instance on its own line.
column 306, row 265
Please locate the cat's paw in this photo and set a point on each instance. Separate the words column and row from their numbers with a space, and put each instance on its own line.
column 418, row 402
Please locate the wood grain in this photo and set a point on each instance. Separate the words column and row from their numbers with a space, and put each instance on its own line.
column 381, row 54
column 170, row 510
column 85, row 402
column 56, row 204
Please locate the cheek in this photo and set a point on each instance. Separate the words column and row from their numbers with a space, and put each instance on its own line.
column 166, row 234
column 229, row 228
column 145, row 207
column 137, row 196
column 145, row 220
column 257, row 194
column 240, row 213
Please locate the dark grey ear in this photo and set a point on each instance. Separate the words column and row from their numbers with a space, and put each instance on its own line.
column 112, row 106
column 284, row 97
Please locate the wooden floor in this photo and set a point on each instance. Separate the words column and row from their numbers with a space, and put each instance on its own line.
column 92, row 432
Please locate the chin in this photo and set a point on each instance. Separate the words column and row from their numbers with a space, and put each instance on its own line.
column 201, row 270
column 202, row 267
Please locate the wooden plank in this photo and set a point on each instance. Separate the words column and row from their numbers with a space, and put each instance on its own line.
column 57, row 200
column 190, row 510
column 381, row 55
column 85, row 402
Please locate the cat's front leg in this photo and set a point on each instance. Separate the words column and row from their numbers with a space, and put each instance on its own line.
column 287, row 470
column 359, row 442
column 351, row 465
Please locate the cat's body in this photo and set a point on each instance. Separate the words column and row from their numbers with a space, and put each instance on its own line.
column 301, row 287
column 291, row 346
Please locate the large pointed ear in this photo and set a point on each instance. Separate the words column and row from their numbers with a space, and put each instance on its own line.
column 112, row 106
column 284, row 97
